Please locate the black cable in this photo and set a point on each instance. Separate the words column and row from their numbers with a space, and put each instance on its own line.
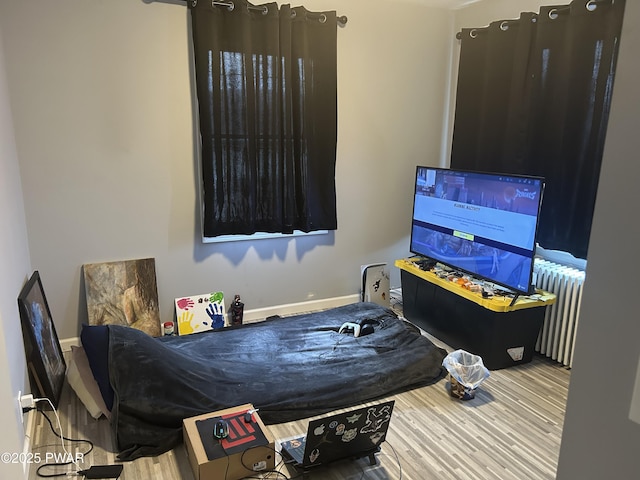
column 395, row 454
column 61, row 437
column 267, row 474
column 226, row 470
column 264, row 474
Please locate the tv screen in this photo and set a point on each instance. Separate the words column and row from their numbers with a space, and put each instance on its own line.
column 484, row 224
column 45, row 360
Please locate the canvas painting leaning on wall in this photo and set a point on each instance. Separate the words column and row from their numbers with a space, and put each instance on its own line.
column 123, row 293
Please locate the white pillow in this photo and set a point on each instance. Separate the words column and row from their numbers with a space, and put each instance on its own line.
column 82, row 382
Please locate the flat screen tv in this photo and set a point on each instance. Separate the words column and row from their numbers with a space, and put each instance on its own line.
column 484, row 224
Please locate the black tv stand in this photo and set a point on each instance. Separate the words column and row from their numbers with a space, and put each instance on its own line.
column 500, row 329
column 515, row 299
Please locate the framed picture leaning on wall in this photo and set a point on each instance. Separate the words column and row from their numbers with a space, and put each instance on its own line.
column 45, row 361
column 123, row 293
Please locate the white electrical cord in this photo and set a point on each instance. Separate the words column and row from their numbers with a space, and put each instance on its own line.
column 55, row 412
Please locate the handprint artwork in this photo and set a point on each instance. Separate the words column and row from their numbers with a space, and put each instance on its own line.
column 199, row 313
column 216, row 314
column 184, row 323
column 184, row 303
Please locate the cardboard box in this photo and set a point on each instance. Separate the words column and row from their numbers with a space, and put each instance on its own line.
column 249, row 448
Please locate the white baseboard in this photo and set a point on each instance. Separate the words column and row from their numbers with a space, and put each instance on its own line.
column 301, row 307
column 258, row 314
column 29, row 429
column 67, row 343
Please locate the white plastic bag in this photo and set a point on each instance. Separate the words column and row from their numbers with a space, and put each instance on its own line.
column 467, row 369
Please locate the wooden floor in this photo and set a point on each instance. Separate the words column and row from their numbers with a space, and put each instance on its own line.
column 510, row 430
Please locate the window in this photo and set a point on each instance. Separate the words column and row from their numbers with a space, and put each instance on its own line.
column 266, row 86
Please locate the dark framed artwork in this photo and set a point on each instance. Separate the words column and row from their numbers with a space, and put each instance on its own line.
column 43, row 352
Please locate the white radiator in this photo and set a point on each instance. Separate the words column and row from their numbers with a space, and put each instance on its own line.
column 557, row 336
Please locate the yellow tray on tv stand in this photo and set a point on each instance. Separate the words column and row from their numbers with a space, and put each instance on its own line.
column 495, row 303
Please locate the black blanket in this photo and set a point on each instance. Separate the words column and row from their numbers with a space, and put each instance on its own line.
column 290, row 368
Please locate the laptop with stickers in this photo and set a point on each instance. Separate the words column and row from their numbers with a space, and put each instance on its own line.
column 354, row 434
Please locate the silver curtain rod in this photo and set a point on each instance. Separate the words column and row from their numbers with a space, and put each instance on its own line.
column 342, row 20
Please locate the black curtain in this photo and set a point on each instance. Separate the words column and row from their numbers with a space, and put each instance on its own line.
column 533, row 97
column 266, row 85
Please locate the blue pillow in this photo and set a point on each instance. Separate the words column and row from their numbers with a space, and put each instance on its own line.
column 95, row 340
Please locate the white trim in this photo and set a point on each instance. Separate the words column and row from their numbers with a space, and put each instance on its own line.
column 67, row 343
column 301, row 307
column 259, row 314
column 29, row 429
column 563, row 258
column 260, row 236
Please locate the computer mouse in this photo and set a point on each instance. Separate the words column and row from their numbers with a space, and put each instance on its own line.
column 220, row 429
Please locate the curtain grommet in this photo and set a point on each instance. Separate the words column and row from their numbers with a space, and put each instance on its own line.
column 504, row 26
column 473, row 33
column 553, row 13
column 230, row 5
column 323, row 18
column 591, row 5
column 264, row 10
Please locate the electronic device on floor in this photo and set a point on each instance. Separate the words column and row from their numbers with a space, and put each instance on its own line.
column 375, row 284
column 354, row 434
column 102, row 471
column 359, row 328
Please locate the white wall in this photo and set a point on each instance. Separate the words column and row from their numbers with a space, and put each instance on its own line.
column 599, row 440
column 103, row 114
column 14, row 258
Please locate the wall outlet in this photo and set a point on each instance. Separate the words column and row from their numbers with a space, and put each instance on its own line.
column 25, row 401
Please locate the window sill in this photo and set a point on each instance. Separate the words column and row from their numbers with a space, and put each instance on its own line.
column 260, row 236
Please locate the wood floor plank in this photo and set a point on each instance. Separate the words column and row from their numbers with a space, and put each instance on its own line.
column 511, row 430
